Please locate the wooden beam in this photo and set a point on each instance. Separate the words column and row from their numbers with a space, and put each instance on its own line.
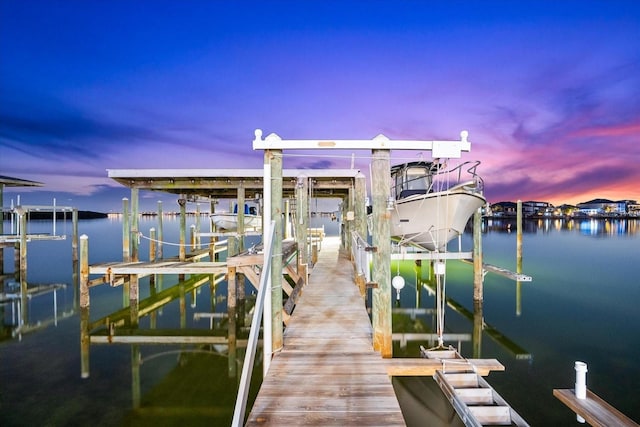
column 593, row 409
column 427, row 367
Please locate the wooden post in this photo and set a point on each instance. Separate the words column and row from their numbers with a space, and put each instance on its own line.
column 160, row 230
column 359, row 208
column 231, row 312
column 182, row 202
column 240, row 229
column 519, row 257
column 519, row 237
column 478, row 326
column 135, row 228
column 198, row 238
column 126, row 231
column 212, row 240
column 193, row 237
column 302, row 219
column 84, row 271
column 84, row 306
column 276, row 263
column 134, row 297
column 381, row 318
column 240, row 280
column 478, row 274
column 74, row 257
column 152, row 258
column 23, row 268
column 152, row 244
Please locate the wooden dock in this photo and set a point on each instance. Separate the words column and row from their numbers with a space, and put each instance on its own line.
column 327, row 372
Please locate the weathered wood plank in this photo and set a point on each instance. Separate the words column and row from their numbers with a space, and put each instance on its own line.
column 327, row 372
column 593, row 409
column 427, row 367
column 159, row 268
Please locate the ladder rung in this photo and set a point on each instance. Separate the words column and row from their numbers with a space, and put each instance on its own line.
column 475, row 396
column 441, row 354
column 497, row 415
column 463, row 380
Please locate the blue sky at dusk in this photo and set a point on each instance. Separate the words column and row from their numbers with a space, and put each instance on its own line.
column 548, row 90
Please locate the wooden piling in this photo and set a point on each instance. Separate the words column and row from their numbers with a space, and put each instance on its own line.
column 84, row 306
column 23, row 269
column 135, row 227
column 359, row 208
column 381, row 312
column 182, row 202
column 152, row 244
column 519, row 237
column 160, row 230
column 275, row 157
column 74, row 258
column 134, row 297
column 126, row 231
column 212, row 240
column 231, row 312
column 302, row 219
column 85, row 342
column 478, row 274
column 478, row 326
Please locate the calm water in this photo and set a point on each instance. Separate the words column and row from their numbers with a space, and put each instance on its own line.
column 581, row 305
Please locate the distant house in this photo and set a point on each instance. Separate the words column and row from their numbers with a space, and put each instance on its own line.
column 532, row 208
column 504, row 209
column 603, row 207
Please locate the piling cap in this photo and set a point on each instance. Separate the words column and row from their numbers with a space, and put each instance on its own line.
column 581, row 367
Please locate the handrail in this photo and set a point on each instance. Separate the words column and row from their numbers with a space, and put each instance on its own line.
column 249, row 357
column 361, row 254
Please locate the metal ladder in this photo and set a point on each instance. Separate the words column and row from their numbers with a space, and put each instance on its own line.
column 475, row 401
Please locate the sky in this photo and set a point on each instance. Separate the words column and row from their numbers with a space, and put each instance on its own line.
column 549, row 91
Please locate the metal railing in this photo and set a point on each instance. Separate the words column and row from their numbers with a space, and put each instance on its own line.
column 250, row 355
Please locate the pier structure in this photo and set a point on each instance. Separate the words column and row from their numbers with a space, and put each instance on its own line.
column 15, row 290
column 273, row 185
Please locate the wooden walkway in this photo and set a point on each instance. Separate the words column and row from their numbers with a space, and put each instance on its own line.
column 328, row 374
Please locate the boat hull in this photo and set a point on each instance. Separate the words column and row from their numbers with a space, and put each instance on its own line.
column 432, row 220
column 229, row 222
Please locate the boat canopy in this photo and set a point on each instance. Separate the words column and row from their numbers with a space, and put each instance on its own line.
column 412, row 178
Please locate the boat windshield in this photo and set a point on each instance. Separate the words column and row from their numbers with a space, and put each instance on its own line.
column 417, row 178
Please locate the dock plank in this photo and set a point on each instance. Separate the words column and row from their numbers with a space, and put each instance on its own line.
column 593, row 409
column 327, row 373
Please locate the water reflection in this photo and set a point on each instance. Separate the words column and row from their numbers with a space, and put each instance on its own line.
column 26, row 308
column 414, row 326
column 201, row 351
column 586, row 226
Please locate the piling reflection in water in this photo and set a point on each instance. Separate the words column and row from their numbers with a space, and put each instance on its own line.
column 201, row 356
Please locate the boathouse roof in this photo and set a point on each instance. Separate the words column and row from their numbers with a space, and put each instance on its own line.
column 224, row 183
column 9, row 181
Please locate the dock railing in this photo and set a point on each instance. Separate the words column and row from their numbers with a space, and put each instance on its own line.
column 252, row 344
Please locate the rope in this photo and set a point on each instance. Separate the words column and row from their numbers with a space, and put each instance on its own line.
column 141, row 235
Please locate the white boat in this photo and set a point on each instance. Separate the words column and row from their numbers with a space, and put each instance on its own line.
column 229, row 221
column 428, row 210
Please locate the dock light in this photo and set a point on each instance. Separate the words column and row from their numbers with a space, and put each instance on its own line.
column 398, row 283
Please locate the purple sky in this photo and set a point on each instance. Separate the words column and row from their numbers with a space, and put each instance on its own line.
column 548, row 90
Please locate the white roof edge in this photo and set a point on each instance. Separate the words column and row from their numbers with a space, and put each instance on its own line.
column 227, row 173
